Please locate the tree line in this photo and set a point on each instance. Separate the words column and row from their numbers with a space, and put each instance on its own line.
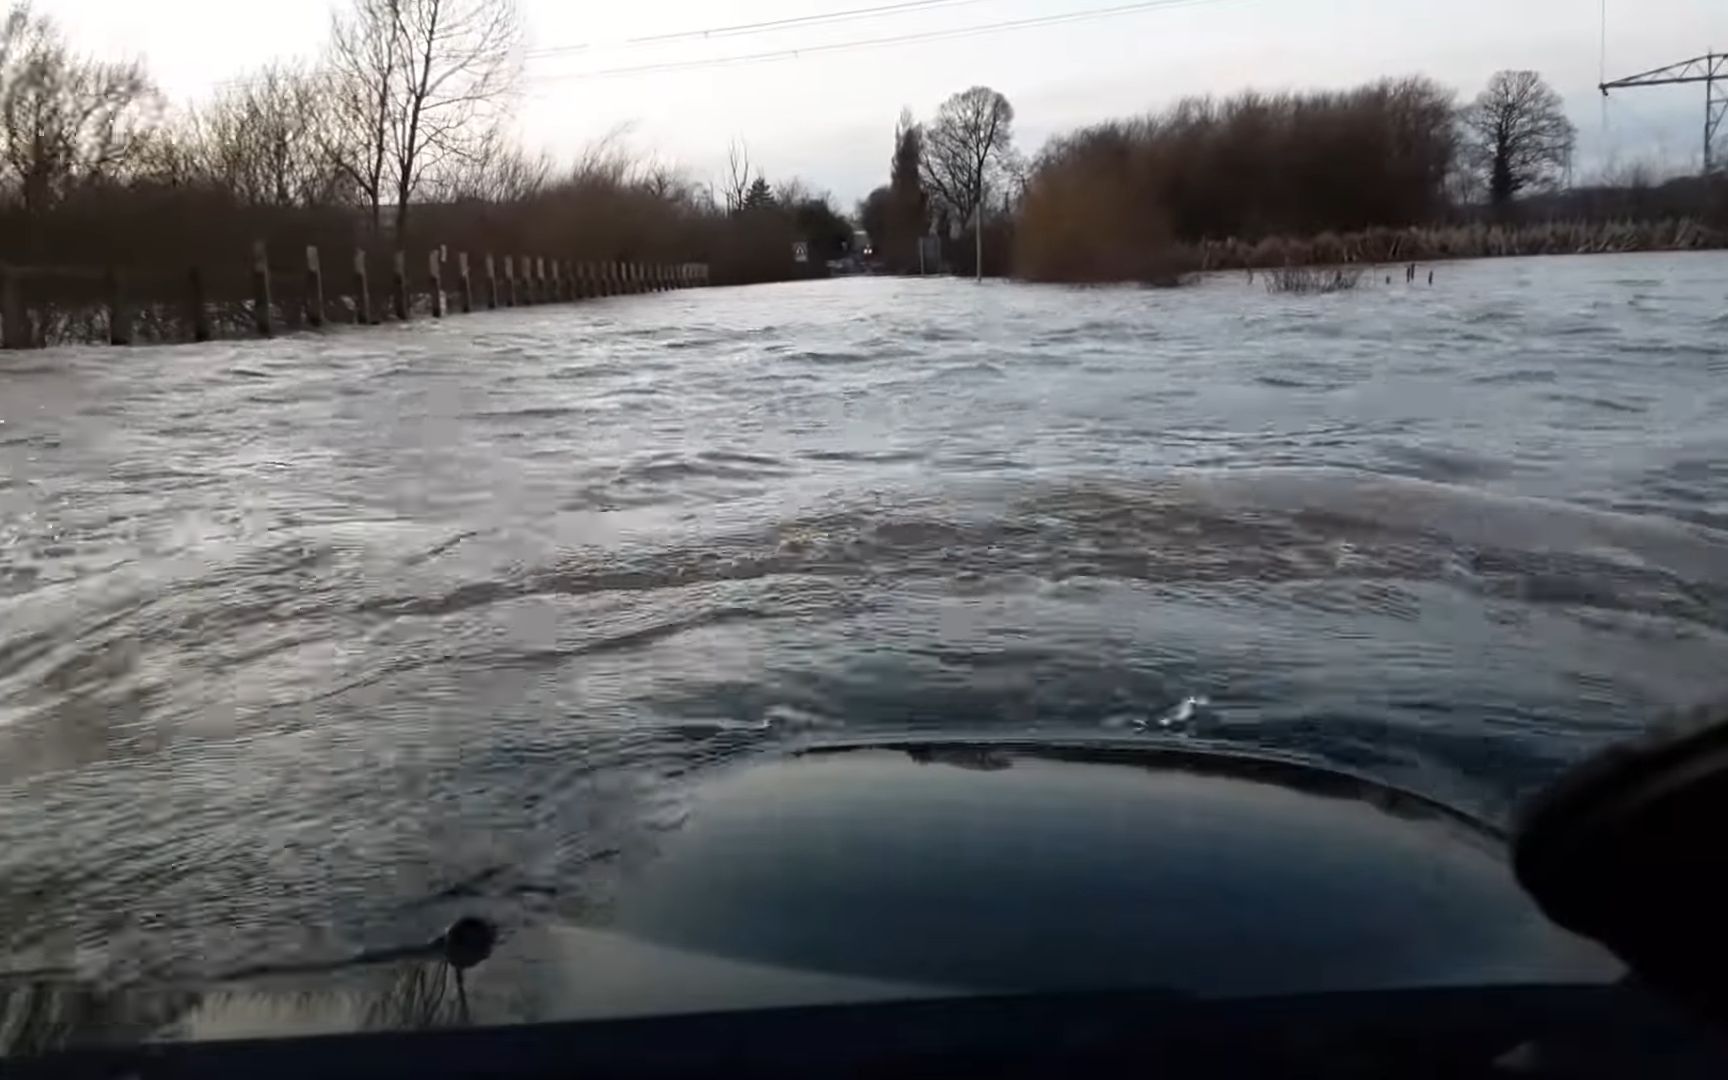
column 395, row 135
column 1151, row 197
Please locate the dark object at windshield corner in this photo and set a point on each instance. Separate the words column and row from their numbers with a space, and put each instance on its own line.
column 1627, row 849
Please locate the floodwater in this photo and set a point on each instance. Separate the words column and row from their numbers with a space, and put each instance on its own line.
column 307, row 645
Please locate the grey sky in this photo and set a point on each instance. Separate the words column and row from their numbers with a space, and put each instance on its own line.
column 828, row 117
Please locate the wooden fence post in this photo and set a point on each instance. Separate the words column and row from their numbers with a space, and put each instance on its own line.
column 509, row 281
column 491, row 283
column 362, row 290
column 464, row 283
column 539, row 264
column 314, row 289
column 399, row 284
column 261, row 315
column 525, row 267
column 119, row 312
column 197, row 312
column 559, row 290
column 435, row 281
column 14, row 319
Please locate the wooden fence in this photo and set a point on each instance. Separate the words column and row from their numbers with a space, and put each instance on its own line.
column 124, row 305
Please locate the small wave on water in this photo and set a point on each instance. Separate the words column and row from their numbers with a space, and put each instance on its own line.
column 295, row 666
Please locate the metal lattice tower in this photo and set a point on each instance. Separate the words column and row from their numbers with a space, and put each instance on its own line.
column 1711, row 69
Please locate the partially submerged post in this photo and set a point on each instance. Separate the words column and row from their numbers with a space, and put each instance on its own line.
column 435, row 281
column 540, row 285
column 525, row 290
column 399, row 284
column 464, row 284
column 314, row 289
column 14, row 321
column 362, row 290
column 491, row 282
column 197, row 310
column 261, row 289
column 509, row 281
column 119, row 312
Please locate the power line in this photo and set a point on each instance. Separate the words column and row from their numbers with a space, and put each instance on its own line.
column 867, row 43
column 762, row 27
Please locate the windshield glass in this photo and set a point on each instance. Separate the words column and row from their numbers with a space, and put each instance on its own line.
column 422, row 491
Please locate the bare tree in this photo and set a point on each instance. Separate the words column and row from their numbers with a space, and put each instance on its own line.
column 261, row 140
column 365, row 56
column 64, row 119
column 908, row 207
column 1518, row 134
column 736, row 184
column 496, row 171
column 421, row 84
column 792, row 191
column 966, row 148
column 460, row 62
column 667, row 182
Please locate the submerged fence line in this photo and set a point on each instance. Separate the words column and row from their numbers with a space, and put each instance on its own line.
column 187, row 310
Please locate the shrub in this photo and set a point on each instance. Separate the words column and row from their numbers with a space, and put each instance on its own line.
column 1310, row 280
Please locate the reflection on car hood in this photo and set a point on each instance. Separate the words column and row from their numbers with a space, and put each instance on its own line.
column 887, row 872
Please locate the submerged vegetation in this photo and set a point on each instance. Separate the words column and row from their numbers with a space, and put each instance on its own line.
column 1311, row 280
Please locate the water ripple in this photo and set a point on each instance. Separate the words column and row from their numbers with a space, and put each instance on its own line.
column 307, row 645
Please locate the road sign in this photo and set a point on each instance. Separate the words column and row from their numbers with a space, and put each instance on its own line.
column 800, row 252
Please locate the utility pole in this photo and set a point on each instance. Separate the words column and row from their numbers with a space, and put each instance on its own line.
column 978, row 235
column 1711, row 69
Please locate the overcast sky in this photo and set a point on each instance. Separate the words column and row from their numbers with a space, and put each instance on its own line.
column 828, row 116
